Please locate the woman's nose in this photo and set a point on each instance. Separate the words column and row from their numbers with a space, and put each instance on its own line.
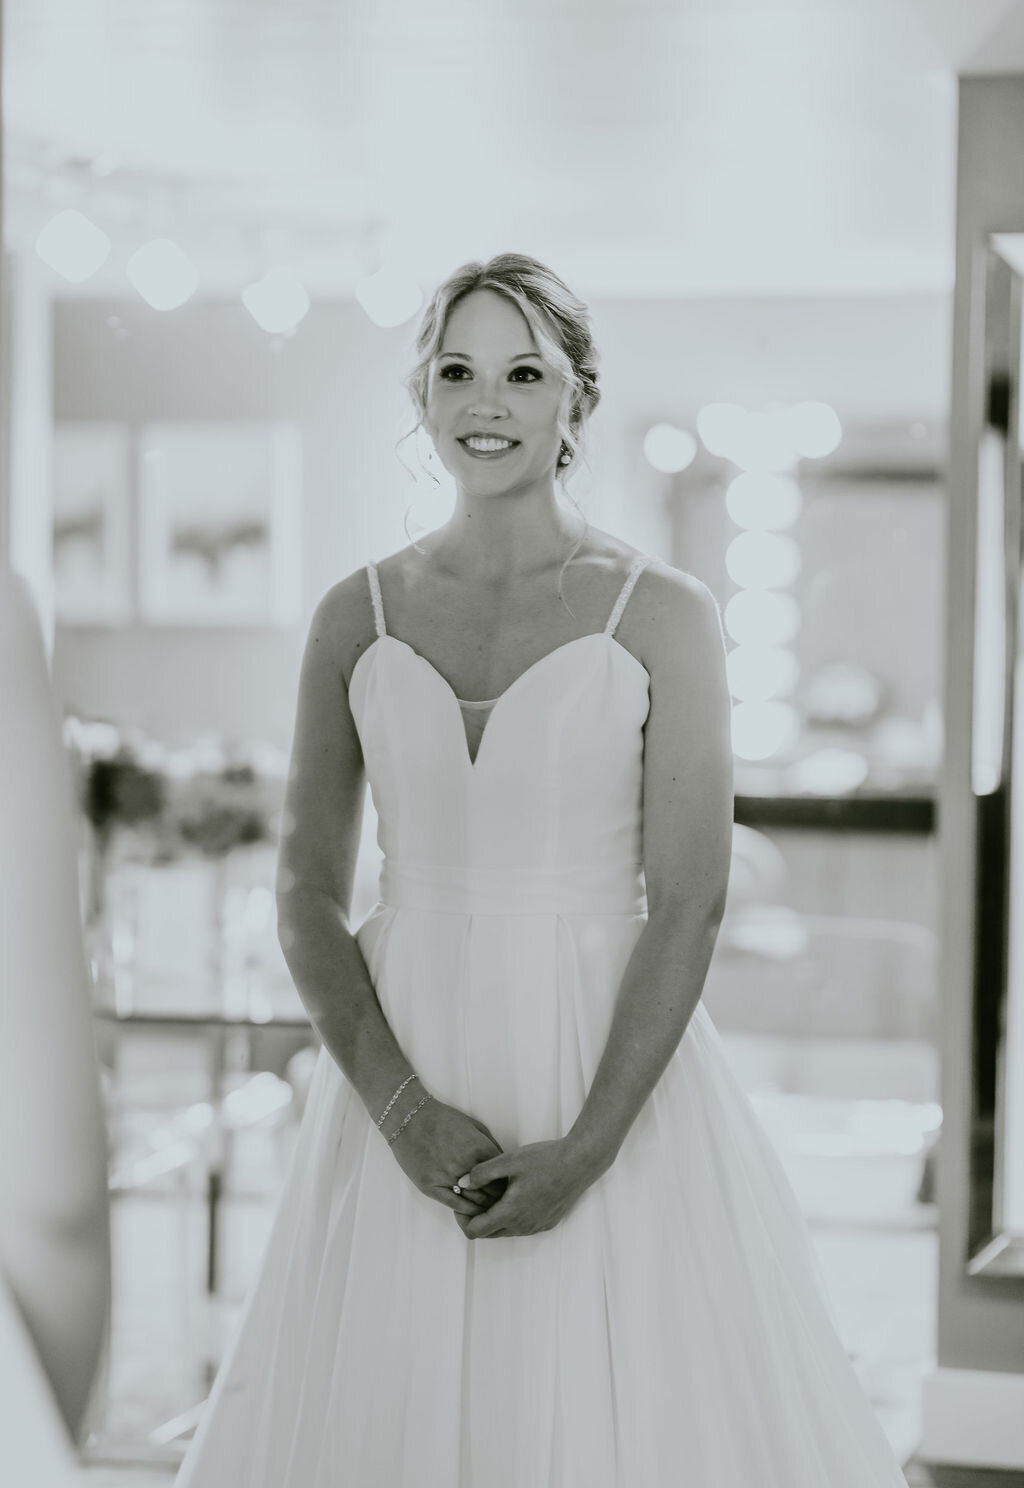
column 487, row 401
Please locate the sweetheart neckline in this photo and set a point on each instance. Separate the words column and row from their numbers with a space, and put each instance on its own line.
column 593, row 635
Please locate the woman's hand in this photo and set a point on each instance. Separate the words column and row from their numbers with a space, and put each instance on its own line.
column 438, row 1147
column 544, row 1182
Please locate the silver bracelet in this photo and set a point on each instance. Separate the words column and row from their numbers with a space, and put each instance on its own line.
column 411, row 1114
column 391, row 1102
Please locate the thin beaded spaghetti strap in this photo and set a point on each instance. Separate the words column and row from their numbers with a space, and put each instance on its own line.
column 635, row 569
column 378, row 604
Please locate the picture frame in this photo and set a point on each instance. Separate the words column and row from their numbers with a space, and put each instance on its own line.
column 91, row 496
column 219, row 523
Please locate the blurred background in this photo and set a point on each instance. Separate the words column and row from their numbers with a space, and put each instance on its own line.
column 220, row 220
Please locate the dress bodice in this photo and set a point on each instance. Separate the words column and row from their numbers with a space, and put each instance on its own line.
column 474, row 721
column 556, row 780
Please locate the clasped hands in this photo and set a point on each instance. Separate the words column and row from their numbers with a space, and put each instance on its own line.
column 542, row 1183
column 519, row 1192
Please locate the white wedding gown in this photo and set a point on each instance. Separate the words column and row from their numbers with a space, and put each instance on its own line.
column 36, row 1450
column 673, row 1331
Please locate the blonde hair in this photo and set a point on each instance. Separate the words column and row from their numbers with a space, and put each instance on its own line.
column 559, row 321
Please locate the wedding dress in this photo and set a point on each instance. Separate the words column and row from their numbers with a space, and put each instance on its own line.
column 673, row 1331
column 36, row 1450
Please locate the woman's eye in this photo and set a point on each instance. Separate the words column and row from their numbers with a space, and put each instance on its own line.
column 452, row 372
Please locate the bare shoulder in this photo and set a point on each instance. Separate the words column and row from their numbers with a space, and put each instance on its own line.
column 671, row 616
column 343, row 623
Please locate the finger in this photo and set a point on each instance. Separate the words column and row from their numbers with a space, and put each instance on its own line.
column 488, row 1223
column 478, row 1195
column 460, row 1203
column 471, row 1190
column 485, row 1172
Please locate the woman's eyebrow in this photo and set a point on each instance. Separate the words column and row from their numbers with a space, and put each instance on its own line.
column 467, row 358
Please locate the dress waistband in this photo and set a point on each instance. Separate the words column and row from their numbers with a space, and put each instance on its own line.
column 617, row 888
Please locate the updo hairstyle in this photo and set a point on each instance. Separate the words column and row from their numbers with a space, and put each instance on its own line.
column 558, row 319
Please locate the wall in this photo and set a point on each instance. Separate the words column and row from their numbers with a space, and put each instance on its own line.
column 339, row 377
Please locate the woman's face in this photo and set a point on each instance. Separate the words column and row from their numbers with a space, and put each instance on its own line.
column 492, row 403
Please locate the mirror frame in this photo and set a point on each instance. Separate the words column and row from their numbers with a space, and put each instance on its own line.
column 997, row 734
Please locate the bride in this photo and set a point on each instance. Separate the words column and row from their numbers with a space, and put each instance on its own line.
column 534, row 1235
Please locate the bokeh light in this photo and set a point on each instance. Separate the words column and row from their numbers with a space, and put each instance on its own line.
column 73, row 245
column 762, row 560
column 390, row 297
column 669, row 449
column 720, row 426
column 163, row 275
column 760, row 730
column 761, row 617
column 278, row 301
column 758, row 673
column 814, row 428
column 764, row 443
column 829, row 771
column 764, row 502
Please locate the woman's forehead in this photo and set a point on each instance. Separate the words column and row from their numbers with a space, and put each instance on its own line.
column 484, row 312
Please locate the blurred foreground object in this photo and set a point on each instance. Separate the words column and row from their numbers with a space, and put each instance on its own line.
column 54, row 1215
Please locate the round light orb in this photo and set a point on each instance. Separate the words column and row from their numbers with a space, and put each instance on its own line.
column 762, row 617
column 164, row 276
column 669, row 449
column 760, row 730
column 764, row 444
column 759, row 673
column 720, row 426
column 762, row 560
column 830, row 771
column 763, row 502
column 814, row 428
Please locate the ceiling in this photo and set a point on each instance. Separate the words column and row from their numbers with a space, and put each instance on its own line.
column 662, row 147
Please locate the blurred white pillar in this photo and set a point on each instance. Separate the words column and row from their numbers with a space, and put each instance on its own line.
column 28, row 428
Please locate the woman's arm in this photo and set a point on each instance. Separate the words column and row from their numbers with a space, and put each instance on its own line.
column 317, row 858
column 319, row 844
column 54, row 1216
column 687, row 832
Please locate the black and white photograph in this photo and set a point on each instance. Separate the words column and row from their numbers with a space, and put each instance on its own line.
column 511, row 678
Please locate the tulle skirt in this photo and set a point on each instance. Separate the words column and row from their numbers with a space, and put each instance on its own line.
column 673, row 1331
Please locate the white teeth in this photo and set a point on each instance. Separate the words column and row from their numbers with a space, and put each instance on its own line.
column 488, row 444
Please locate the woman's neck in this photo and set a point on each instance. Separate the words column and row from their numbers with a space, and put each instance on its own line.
column 501, row 537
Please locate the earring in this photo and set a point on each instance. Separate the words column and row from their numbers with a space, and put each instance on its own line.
column 565, row 457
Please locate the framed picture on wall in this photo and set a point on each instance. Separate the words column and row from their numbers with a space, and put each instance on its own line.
column 219, row 523
column 92, row 536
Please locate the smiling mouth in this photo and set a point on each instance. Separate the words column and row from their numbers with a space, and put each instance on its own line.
column 488, row 448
